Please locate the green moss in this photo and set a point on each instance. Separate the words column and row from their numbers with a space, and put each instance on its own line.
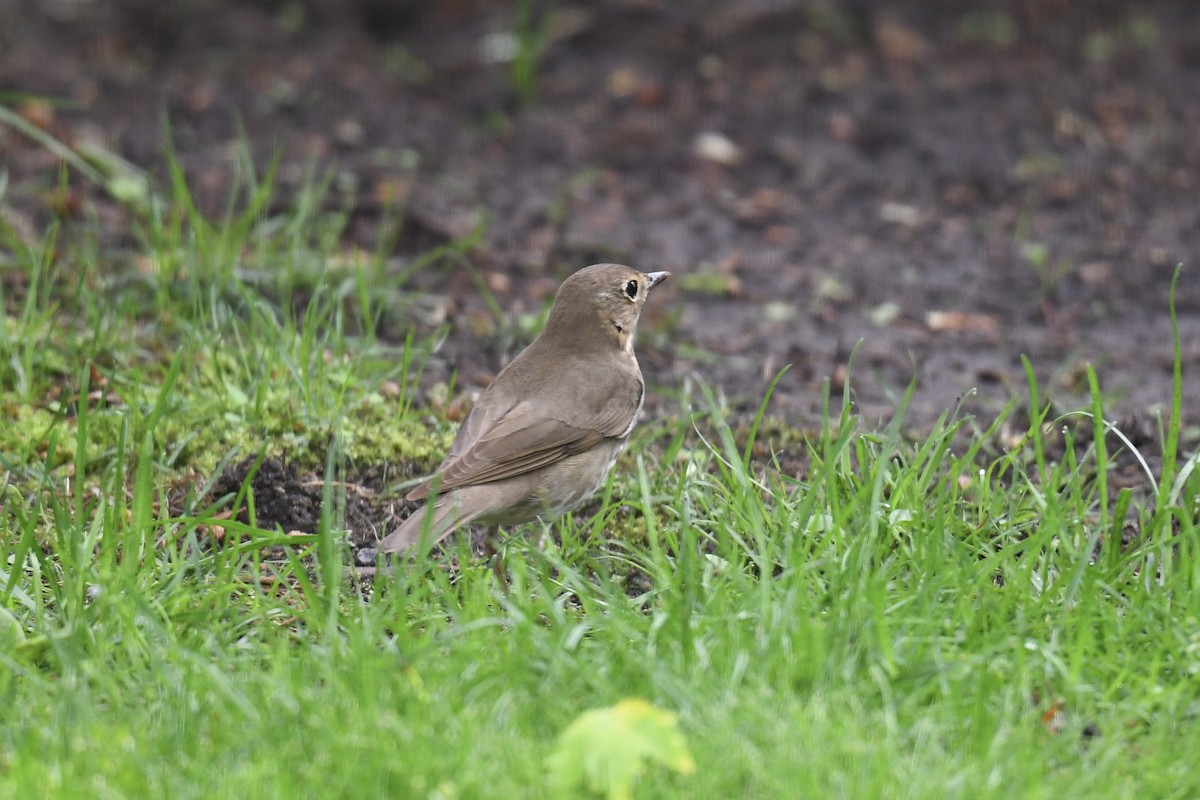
column 376, row 432
column 200, row 431
column 199, row 441
column 629, row 528
column 34, row 436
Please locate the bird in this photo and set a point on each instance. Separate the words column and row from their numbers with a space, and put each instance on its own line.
column 545, row 433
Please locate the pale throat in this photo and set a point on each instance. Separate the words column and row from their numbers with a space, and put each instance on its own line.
column 624, row 333
column 624, row 337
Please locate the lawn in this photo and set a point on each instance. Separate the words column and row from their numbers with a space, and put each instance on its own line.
column 973, row 610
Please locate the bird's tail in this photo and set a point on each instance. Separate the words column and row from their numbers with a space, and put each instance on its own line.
column 439, row 519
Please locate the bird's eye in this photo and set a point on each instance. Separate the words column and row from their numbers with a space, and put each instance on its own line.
column 631, row 289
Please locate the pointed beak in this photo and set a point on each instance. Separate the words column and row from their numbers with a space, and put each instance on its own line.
column 656, row 278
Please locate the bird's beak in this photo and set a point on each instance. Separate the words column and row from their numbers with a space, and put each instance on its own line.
column 656, row 278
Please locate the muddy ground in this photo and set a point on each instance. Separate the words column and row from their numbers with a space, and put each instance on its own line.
column 953, row 189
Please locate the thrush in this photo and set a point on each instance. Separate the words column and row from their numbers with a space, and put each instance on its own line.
column 543, row 436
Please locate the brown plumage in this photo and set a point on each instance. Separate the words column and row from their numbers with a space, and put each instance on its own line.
column 544, row 435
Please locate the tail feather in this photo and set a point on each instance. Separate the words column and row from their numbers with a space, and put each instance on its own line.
column 439, row 518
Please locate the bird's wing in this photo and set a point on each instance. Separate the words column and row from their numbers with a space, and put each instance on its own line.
column 525, row 437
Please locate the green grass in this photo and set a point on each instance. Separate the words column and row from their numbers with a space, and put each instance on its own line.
column 935, row 617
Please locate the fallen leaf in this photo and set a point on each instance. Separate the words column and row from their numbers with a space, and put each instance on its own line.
column 607, row 749
column 38, row 113
column 1055, row 718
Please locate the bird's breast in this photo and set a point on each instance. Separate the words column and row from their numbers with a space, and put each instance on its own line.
column 576, row 478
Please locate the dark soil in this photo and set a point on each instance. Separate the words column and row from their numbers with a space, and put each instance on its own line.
column 935, row 191
column 288, row 499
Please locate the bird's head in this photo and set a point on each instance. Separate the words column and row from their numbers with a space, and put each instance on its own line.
column 601, row 304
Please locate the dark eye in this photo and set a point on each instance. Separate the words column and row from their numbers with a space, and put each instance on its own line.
column 631, row 289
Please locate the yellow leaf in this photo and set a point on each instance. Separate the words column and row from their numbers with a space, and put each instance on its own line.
column 607, row 749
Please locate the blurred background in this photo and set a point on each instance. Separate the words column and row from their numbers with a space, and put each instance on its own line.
column 952, row 185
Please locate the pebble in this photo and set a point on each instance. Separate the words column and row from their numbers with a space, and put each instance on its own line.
column 718, row 148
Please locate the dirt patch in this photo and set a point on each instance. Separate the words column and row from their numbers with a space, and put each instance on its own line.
column 944, row 190
column 291, row 501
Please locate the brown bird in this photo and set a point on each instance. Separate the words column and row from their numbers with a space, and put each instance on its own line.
column 543, row 436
